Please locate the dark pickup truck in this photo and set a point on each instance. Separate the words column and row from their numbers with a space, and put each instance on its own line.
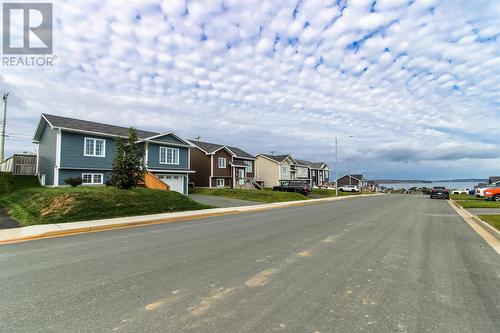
column 297, row 186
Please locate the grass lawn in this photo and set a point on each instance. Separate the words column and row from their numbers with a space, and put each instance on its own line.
column 494, row 220
column 465, row 197
column 30, row 204
column 266, row 195
column 478, row 204
column 331, row 193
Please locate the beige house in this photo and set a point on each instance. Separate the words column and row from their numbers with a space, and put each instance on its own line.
column 275, row 169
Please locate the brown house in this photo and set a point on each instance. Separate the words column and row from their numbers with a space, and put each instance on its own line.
column 218, row 165
column 357, row 180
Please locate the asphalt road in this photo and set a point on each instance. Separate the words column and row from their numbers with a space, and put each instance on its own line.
column 376, row 264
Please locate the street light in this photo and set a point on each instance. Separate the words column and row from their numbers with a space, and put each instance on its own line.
column 336, row 163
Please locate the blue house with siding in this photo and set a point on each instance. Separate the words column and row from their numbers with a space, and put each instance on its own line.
column 69, row 147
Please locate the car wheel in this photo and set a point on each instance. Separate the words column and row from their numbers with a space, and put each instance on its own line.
column 432, row 197
column 496, row 198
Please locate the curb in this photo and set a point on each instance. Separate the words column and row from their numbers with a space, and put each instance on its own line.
column 71, row 228
column 486, row 231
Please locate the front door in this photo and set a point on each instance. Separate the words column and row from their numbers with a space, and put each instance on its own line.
column 241, row 176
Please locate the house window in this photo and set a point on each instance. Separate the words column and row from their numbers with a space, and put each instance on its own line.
column 95, row 147
column 284, row 170
column 249, row 166
column 221, row 161
column 220, row 182
column 169, row 155
column 92, row 178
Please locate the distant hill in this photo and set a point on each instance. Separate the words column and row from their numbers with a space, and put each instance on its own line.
column 418, row 181
column 464, row 180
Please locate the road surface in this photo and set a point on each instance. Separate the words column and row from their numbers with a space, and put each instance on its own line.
column 378, row 264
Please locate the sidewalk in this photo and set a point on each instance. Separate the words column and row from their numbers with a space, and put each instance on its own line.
column 51, row 230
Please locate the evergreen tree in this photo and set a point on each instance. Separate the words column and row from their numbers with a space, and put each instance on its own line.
column 128, row 168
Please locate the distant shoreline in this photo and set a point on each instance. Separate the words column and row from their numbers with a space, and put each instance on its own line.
column 420, row 181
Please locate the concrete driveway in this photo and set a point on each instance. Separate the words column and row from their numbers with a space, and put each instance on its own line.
column 221, row 202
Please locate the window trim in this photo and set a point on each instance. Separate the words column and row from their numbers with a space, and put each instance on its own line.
column 284, row 170
column 223, row 182
column 95, row 147
column 93, row 175
column 219, row 159
column 249, row 165
column 166, row 155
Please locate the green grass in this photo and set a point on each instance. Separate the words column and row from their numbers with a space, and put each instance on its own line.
column 331, row 193
column 465, row 197
column 266, row 195
column 493, row 220
column 478, row 204
column 30, row 204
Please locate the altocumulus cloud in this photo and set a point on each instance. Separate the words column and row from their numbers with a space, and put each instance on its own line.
column 414, row 81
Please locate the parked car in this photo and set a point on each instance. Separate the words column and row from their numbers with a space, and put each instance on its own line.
column 492, row 193
column 462, row 191
column 472, row 191
column 349, row 188
column 438, row 192
column 297, row 186
column 480, row 190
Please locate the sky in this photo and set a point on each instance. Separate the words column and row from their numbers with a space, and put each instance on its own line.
column 416, row 83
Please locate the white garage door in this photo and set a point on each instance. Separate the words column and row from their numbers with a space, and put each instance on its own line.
column 176, row 182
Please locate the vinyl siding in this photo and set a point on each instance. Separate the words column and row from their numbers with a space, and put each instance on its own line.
column 200, row 162
column 72, row 152
column 47, row 154
column 154, row 158
column 267, row 171
column 169, row 138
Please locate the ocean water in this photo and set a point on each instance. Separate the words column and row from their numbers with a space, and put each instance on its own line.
column 452, row 185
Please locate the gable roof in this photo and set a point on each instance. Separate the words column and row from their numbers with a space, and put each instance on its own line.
column 357, row 177
column 98, row 128
column 312, row 165
column 210, row 148
column 276, row 158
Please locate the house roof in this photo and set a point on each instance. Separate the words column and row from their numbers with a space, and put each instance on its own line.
column 357, row 177
column 91, row 126
column 494, row 179
column 313, row 165
column 238, row 164
column 277, row 158
column 95, row 127
column 211, row 148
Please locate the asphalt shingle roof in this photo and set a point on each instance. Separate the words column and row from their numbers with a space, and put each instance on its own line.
column 90, row 126
column 211, row 147
column 314, row 165
column 278, row 158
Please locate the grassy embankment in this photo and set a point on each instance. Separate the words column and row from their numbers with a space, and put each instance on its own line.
column 29, row 203
column 469, row 201
column 493, row 220
column 266, row 195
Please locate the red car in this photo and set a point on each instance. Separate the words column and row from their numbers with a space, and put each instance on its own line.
column 492, row 193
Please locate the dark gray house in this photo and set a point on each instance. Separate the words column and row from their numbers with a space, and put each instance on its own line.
column 493, row 179
column 319, row 173
column 69, row 147
column 357, row 180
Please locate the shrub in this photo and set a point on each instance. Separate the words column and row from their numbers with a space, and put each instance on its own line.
column 6, row 182
column 73, row 181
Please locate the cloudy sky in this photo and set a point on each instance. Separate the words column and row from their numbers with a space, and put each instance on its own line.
column 416, row 82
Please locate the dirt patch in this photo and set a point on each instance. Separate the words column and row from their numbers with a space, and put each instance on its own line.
column 261, row 279
column 59, row 206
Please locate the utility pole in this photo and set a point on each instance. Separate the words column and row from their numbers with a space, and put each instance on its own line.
column 198, row 138
column 336, row 171
column 336, row 164
column 4, row 122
